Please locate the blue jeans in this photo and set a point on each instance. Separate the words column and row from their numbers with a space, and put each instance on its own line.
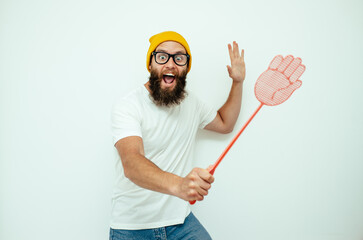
column 192, row 229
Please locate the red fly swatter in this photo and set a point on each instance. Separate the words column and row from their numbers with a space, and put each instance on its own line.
column 273, row 87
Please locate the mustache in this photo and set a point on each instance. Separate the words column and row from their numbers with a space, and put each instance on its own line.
column 166, row 97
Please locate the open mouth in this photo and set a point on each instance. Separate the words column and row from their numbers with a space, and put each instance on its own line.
column 169, row 78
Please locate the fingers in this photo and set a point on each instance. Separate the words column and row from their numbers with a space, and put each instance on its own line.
column 297, row 74
column 234, row 51
column 203, row 181
column 198, row 183
column 237, row 69
column 285, row 63
column 230, row 51
column 291, row 67
column 206, row 176
column 276, row 62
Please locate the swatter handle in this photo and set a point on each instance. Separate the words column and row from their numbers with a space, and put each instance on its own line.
column 215, row 165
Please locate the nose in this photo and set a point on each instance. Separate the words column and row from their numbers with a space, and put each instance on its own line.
column 170, row 63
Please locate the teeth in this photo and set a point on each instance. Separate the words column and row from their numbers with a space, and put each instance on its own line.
column 169, row 74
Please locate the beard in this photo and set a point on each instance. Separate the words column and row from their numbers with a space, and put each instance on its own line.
column 167, row 97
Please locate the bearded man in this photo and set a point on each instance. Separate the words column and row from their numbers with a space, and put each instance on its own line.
column 154, row 129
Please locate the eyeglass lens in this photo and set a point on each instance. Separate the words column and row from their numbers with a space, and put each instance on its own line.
column 179, row 59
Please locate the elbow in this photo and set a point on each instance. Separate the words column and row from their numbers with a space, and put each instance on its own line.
column 223, row 129
column 127, row 173
column 227, row 130
column 127, row 170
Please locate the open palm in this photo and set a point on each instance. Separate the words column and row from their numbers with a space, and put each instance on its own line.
column 237, row 69
column 279, row 81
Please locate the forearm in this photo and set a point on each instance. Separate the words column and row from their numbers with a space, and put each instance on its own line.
column 146, row 174
column 230, row 110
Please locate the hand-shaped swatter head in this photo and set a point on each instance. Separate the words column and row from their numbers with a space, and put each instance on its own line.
column 279, row 81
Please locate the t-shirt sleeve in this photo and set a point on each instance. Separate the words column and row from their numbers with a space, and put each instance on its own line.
column 207, row 113
column 125, row 121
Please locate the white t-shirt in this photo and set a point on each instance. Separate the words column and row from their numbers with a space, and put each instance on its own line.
column 168, row 135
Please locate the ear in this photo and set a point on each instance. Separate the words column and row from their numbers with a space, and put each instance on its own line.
column 150, row 67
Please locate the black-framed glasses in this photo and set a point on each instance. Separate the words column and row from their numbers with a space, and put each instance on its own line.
column 163, row 57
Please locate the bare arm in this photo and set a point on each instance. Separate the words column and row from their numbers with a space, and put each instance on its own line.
column 146, row 174
column 227, row 115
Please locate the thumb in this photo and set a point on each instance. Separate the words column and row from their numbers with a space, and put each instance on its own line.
column 285, row 93
column 210, row 167
column 291, row 88
column 296, row 85
column 229, row 70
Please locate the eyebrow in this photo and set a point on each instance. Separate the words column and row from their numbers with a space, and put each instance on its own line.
column 162, row 50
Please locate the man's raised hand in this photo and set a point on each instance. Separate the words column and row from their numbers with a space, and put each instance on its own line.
column 236, row 70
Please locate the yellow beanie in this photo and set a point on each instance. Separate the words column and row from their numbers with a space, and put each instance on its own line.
column 157, row 39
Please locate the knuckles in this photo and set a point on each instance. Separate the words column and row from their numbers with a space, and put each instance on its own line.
column 192, row 185
column 192, row 194
column 192, row 177
column 197, row 190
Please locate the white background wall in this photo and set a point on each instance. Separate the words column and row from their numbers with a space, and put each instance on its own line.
column 296, row 173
